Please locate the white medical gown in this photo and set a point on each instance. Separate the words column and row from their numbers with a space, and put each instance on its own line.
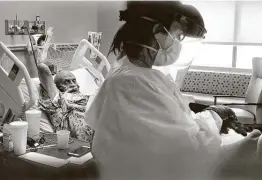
column 144, row 129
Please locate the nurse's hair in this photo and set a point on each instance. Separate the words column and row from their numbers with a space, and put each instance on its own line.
column 139, row 29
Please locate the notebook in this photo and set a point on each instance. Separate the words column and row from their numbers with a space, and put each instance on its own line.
column 176, row 72
column 81, row 160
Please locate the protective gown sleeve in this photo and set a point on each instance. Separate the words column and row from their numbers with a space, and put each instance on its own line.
column 139, row 122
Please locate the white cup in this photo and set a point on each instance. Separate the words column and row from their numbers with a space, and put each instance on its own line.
column 62, row 139
column 33, row 119
column 19, row 136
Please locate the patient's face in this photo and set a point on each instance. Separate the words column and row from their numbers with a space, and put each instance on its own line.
column 66, row 82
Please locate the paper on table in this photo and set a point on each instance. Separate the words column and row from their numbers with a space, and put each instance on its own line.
column 44, row 159
column 80, row 160
column 231, row 137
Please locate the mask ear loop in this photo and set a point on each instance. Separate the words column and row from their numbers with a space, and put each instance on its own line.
column 174, row 39
column 145, row 46
column 169, row 34
column 155, row 21
column 148, row 47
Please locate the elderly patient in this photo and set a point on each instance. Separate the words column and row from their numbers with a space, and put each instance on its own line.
column 63, row 103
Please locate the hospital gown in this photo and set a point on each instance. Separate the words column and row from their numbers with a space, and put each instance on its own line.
column 66, row 111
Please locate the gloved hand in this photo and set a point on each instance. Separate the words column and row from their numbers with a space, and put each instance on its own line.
column 229, row 120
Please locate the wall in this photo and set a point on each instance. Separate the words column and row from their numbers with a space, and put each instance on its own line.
column 66, row 18
column 108, row 23
column 71, row 20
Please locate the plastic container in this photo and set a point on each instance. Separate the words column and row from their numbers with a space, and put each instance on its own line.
column 62, row 139
column 33, row 118
column 19, row 136
column 7, row 138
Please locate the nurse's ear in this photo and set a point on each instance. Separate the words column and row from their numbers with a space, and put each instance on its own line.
column 158, row 29
column 160, row 34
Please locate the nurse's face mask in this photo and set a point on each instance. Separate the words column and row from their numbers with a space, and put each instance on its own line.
column 170, row 46
column 183, row 33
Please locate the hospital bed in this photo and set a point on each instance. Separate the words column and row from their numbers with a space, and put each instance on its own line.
column 18, row 90
column 11, row 95
column 89, row 73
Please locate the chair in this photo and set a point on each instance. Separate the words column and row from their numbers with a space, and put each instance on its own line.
column 251, row 114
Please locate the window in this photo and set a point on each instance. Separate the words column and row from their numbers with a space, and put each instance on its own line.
column 214, row 55
column 234, row 33
column 218, row 17
column 245, row 55
column 249, row 26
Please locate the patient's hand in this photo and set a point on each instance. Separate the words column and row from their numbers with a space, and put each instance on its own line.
column 46, row 79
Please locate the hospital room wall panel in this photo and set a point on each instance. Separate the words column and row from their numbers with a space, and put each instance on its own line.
column 71, row 21
column 108, row 23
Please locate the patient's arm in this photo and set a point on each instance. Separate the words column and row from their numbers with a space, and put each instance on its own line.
column 46, row 79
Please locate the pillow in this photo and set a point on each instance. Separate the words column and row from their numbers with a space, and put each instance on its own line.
column 86, row 81
column 25, row 92
column 83, row 78
column 231, row 137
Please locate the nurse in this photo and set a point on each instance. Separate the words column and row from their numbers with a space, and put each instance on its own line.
column 143, row 126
